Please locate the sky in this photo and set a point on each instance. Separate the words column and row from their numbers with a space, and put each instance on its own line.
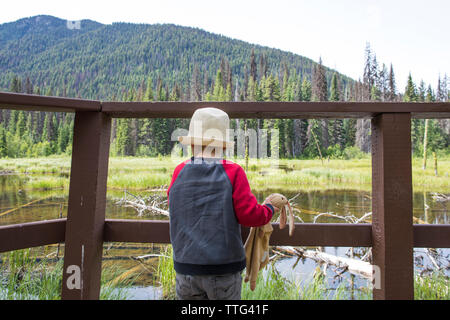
column 410, row 34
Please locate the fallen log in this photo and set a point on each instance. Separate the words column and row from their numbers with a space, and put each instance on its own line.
column 354, row 266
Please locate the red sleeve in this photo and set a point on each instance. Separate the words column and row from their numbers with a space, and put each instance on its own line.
column 248, row 212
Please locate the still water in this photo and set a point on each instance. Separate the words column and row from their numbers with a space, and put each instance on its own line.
column 18, row 205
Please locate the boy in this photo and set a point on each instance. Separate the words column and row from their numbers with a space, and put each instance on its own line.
column 209, row 198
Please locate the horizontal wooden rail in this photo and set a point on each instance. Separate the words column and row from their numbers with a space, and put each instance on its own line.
column 431, row 235
column 32, row 102
column 305, row 234
column 277, row 109
column 179, row 109
column 32, row 234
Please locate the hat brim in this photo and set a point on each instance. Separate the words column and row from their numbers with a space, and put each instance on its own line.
column 189, row 140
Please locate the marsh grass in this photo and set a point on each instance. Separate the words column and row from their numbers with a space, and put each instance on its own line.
column 166, row 273
column 22, row 278
column 271, row 285
column 47, row 183
column 431, row 287
column 140, row 173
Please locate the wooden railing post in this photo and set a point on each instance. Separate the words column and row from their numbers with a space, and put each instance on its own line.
column 392, row 222
column 86, row 212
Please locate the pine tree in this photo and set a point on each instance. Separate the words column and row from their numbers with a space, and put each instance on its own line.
column 123, row 137
column 16, row 85
column 148, row 95
column 338, row 124
column 3, row 145
column 228, row 93
column 320, row 93
column 12, row 123
column 271, row 89
column 251, row 92
column 391, row 85
column 305, row 90
column 422, row 92
column 48, row 132
column 21, row 124
column 410, row 91
column 253, row 65
column 383, row 83
column 439, row 91
column 195, row 89
column 262, row 66
column 218, row 92
column 301, row 125
column 375, row 94
column 334, row 95
column 368, row 75
column 28, row 86
column 320, row 86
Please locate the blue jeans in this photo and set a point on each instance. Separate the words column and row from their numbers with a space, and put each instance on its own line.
column 209, row 287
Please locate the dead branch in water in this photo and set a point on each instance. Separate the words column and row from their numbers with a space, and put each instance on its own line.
column 23, row 206
column 440, row 197
column 151, row 204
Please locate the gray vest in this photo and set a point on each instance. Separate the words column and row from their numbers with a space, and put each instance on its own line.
column 203, row 226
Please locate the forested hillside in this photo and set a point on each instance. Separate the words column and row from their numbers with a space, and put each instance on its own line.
column 140, row 62
column 102, row 61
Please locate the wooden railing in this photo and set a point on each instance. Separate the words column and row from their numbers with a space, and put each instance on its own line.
column 392, row 234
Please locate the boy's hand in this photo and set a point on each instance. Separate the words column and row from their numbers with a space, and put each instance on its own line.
column 267, row 201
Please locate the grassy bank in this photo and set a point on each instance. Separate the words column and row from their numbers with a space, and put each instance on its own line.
column 23, row 278
column 147, row 173
column 271, row 285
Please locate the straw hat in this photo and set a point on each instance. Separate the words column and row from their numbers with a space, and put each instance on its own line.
column 208, row 127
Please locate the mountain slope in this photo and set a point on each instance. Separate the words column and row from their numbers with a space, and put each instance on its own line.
column 101, row 61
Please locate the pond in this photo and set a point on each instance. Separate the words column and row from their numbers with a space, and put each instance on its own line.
column 18, row 205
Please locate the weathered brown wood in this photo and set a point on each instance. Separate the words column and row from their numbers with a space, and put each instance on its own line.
column 21, row 101
column 431, row 235
column 39, row 233
column 31, row 234
column 277, row 109
column 177, row 109
column 86, row 211
column 34, row 102
column 306, row 234
column 142, row 231
column 392, row 221
column 323, row 234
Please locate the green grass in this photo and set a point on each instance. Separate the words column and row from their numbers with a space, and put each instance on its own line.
column 166, row 273
column 271, row 285
column 140, row 173
column 431, row 287
column 47, row 183
column 22, row 278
